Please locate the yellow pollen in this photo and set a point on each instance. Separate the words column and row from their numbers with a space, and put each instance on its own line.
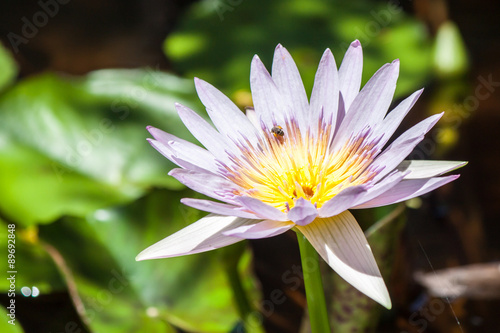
column 285, row 168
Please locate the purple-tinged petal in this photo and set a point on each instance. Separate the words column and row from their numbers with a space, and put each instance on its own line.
column 207, row 183
column 341, row 243
column 370, row 105
column 226, row 116
column 178, row 151
column 342, row 201
column 403, row 145
column 261, row 209
column 204, row 132
column 264, row 229
column 204, row 235
column 407, row 189
column 303, row 212
column 325, row 93
column 287, row 78
column 350, row 72
column 252, row 116
column 267, row 100
column 392, row 121
column 381, row 187
column 218, row 208
column 425, row 169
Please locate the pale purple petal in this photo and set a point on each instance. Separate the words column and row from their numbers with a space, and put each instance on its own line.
column 407, row 189
column 425, row 169
column 207, row 183
column 267, row 100
column 342, row 201
column 350, row 72
column 392, row 121
column 403, row 146
column 381, row 187
column 182, row 152
column 261, row 209
column 325, row 93
column 204, row 235
column 252, row 116
column 226, row 116
column 264, row 229
column 303, row 212
column 342, row 244
column 218, row 208
column 204, row 132
column 370, row 105
column 287, row 78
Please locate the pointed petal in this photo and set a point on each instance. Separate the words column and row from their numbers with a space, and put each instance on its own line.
column 426, row 169
column 371, row 104
column 287, row 78
column 350, row 72
column 403, row 145
column 226, row 116
column 325, row 93
column 407, row 189
column 395, row 117
column 204, row 235
column 381, row 187
column 179, row 151
column 267, row 100
column 341, row 201
column 204, row 132
column 206, row 183
column 303, row 212
column 264, row 229
column 261, row 209
column 218, row 208
column 341, row 243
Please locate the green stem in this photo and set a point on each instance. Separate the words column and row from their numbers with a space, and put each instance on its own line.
column 318, row 314
column 249, row 316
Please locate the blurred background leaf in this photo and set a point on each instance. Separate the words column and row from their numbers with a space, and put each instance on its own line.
column 69, row 146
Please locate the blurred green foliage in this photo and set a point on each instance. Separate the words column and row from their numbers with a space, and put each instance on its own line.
column 217, row 39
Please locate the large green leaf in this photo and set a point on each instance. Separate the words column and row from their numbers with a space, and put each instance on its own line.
column 217, row 39
column 69, row 146
column 120, row 294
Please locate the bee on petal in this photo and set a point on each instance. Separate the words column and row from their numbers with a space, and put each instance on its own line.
column 277, row 131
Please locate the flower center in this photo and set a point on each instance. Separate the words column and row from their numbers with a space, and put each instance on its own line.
column 283, row 168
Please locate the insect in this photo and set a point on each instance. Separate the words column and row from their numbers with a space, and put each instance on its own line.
column 277, row 131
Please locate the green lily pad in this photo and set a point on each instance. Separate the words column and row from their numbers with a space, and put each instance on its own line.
column 70, row 146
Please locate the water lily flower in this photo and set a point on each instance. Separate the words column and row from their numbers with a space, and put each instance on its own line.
column 291, row 162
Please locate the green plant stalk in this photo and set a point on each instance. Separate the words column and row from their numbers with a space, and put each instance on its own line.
column 243, row 305
column 318, row 314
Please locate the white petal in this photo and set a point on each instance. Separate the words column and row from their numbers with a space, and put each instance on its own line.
column 287, row 78
column 342, row 244
column 226, row 116
column 426, row 169
column 264, row 229
column 325, row 93
column 204, row 235
column 350, row 72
